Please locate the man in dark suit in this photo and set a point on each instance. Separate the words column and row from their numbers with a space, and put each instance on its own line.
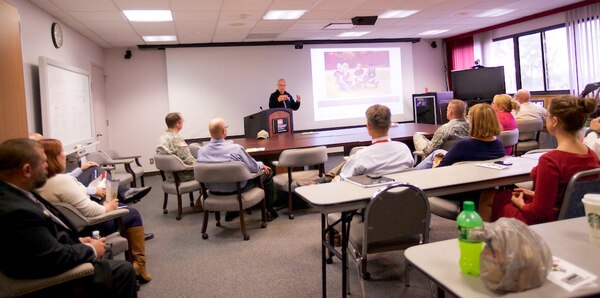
column 38, row 241
column 282, row 99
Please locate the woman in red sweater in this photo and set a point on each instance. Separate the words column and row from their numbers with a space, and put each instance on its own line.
column 565, row 117
column 503, row 106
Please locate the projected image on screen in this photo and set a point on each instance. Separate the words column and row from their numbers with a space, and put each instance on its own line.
column 347, row 81
column 348, row 75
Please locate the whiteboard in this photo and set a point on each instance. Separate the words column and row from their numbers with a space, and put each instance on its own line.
column 66, row 104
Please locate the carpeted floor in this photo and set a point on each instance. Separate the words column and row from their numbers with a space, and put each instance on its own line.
column 282, row 260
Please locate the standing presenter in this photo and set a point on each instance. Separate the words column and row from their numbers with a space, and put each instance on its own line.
column 282, row 99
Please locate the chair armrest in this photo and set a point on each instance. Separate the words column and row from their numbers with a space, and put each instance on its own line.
column 122, row 161
column 419, row 153
column 108, row 216
column 19, row 287
column 107, row 168
column 275, row 163
column 130, row 157
column 257, row 174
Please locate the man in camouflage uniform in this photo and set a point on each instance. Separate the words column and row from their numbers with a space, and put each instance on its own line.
column 456, row 128
column 171, row 143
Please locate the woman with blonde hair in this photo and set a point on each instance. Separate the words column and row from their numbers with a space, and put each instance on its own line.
column 482, row 143
column 503, row 104
column 65, row 188
column 564, row 119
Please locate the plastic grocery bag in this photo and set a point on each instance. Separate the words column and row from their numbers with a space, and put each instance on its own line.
column 514, row 258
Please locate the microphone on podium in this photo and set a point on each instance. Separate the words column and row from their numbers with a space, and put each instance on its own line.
column 261, row 108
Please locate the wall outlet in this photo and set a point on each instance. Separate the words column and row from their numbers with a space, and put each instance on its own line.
column 151, row 161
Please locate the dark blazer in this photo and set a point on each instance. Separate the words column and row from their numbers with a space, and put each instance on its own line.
column 33, row 245
column 291, row 103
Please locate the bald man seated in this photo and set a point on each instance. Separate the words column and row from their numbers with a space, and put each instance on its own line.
column 220, row 150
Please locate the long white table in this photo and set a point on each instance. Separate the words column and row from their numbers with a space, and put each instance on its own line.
column 346, row 197
column 567, row 239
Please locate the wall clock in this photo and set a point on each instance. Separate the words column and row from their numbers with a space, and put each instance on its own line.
column 57, row 35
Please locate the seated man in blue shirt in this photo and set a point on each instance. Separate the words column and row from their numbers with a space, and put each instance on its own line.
column 220, row 150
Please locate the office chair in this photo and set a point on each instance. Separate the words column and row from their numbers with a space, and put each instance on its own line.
column 110, row 165
column 293, row 158
column 234, row 172
column 396, row 218
column 509, row 138
column 173, row 164
column 580, row 184
column 529, row 135
column 49, row 286
column 136, row 168
column 194, row 147
column 119, row 240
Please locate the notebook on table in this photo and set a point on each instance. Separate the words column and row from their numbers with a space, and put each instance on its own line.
column 365, row 181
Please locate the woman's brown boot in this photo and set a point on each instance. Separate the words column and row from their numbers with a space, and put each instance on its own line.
column 138, row 250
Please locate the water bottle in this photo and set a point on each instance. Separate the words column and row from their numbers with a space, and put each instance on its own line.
column 96, row 235
column 470, row 241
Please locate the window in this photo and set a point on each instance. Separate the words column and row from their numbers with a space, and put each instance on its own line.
column 531, row 65
column 503, row 54
column 557, row 61
column 536, row 61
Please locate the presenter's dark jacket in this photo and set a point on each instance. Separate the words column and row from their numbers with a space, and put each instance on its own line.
column 33, row 245
column 290, row 103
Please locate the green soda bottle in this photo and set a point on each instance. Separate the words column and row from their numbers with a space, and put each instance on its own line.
column 469, row 223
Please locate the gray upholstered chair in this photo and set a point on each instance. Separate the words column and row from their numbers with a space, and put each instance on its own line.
column 353, row 151
column 529, row 135
column 194, row 147
column 11, row 287
column 229, row 172
column 169, row 163
column 107, row 163
column 396, row 218
column 579, row 185
column 509, row 138
column 134, row 168
column 299, row 158
column 446, row 145
column 118, row 240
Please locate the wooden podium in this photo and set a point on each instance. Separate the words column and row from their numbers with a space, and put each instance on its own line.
column 275, row 121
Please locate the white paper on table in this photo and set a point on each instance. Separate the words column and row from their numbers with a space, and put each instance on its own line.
column 249, row 150
column 569, row 276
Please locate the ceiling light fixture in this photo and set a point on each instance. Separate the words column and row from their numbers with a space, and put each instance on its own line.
column 354, row 33
column 148, row 15
column 432, row 32
column 283, row 14
column 397, row 14
column 160, row 38
column 496, row 12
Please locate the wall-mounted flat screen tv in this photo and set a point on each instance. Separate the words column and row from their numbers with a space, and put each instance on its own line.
column 478, row 84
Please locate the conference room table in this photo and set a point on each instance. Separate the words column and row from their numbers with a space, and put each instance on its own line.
column 567, row 239
column 346, row 197
column 345, row 137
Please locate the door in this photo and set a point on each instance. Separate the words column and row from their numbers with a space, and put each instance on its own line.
column 100, row 114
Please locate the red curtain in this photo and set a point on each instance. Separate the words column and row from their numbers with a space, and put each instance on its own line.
column 460, row 55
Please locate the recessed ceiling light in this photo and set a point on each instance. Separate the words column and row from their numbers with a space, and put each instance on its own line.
column 354, row 33
column 432, row 32
column 160, row 38
column 396, row 14
column 283, row 14
column 339, row 26
column 496, row 12
column 148, row 15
